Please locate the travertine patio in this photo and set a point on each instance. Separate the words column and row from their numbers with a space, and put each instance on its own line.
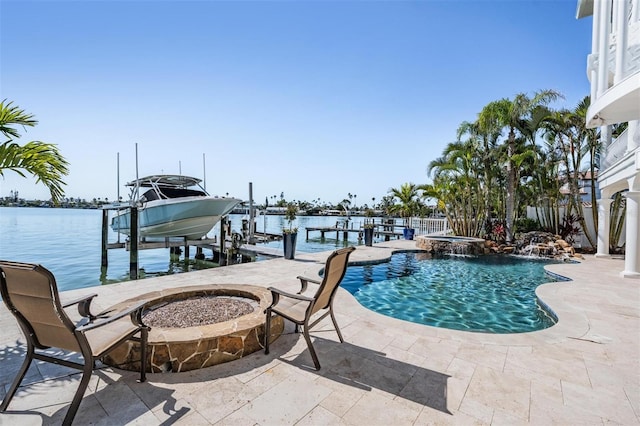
column 584, row 370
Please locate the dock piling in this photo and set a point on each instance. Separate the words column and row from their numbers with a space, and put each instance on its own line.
column 133, row 241
column 222, row 257
column 104, row 258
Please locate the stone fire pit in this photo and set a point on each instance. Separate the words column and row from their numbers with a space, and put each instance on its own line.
column 185, row 347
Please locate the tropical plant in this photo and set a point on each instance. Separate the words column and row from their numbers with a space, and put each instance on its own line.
column 516, row 118
column 386, row 203
column 574, row 142
column 42, row 160
column 547, row 188
column 568, row 228
column 290, row 215
column 458, row 186
column 345, row 205
column 525, row 224
column 483, row 141
column 408, row 197
column 618, row 215
column 498, row 233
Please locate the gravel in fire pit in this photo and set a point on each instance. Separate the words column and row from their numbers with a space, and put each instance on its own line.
column 197, row 311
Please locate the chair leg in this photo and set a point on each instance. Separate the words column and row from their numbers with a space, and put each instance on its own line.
column 144, row 337
column 77, row 398
column 19, row 377
column 312, row 351
column 335, row 324
column 267, row 331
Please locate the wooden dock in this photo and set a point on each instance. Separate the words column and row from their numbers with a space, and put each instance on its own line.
column 387, row 231
column 252, row 250
column 263, row 237
column 209, row 244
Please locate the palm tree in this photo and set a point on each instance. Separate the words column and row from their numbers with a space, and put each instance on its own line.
column 573, row 141
column 513, row 116
column 39, row 159
column 386, row 203
column 547, row 185
column 458, row 184
column 484, row 141
column 592, row 147
column 408, row 196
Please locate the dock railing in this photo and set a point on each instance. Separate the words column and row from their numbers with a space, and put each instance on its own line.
column 422, row 225
column 429, row 225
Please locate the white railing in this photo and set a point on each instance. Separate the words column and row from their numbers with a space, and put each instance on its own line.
column 422, row 225
column 615, row 151
column 618, row 54
column 426, row 225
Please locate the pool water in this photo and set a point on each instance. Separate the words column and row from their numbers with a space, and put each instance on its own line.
column 491, row 294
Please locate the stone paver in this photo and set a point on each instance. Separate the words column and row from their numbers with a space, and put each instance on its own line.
column 583, row 370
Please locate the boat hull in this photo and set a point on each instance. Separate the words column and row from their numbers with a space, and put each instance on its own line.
column 188, row 217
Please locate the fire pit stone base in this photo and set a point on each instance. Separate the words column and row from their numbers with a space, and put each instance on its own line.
column 184, row 349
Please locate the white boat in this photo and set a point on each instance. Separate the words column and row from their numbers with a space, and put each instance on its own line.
column 173, row 206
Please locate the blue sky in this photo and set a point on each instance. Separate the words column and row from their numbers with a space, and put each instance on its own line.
column 313, row 99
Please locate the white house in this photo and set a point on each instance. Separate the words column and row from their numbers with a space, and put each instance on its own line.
column 613, row 69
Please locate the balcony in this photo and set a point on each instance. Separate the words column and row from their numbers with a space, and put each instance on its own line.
column 615, row 151
column 613, row 67
column 619, row 104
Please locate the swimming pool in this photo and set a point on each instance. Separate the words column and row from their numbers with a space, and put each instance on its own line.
column 491, row 294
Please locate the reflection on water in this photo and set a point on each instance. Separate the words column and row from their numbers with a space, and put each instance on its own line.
column 176, row 265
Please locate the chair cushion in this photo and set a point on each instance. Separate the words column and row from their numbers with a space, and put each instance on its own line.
column 101, row 339
column 292, row 308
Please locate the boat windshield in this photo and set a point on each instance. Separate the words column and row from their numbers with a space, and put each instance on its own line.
column 166, row 193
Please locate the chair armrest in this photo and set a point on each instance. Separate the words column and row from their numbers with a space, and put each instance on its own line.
column 84, row 304
column 135, row 312
column 305, row 280
column 78, row 300
column 276, row 293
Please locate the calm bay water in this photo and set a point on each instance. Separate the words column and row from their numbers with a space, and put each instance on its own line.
column 67, row 242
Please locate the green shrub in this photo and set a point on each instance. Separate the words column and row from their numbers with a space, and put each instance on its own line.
column 525, row 224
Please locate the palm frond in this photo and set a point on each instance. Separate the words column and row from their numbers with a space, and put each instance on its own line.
column 39, row 159
column 11, row 115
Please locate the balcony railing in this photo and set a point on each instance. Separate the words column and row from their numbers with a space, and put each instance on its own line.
column 630, row 58
column 615, row 151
